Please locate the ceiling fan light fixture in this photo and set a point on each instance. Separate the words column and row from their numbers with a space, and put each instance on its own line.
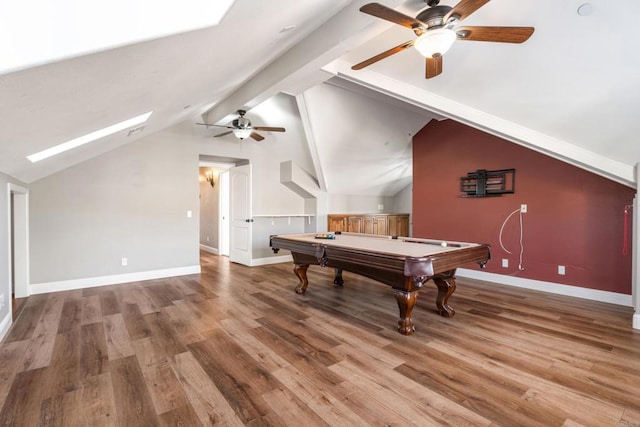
column 242, row 133
column 436, row 41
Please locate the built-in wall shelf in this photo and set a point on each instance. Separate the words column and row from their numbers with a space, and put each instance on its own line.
column 288, row 216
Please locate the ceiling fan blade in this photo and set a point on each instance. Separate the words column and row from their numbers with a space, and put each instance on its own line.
column 433, row 66
column 380, row 11
column 495, row 34
column 256, row 136
column 219, row 126
column 382, row 55
column 465, row 8
column 223, row 134
column 269, row 129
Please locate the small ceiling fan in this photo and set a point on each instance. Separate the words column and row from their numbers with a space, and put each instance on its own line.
column 241, row 128
column 437, row 28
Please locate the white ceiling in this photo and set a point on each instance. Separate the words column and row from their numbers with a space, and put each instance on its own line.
column 571, row 91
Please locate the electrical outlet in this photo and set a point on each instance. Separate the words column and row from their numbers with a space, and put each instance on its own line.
column 189, row 214
column 505, row 263
column 523, row 208
column 561, row 270
column 1, row 301
column 124, row 262
column 380, row 207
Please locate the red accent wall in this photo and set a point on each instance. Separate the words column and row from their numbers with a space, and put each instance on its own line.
column 575, row 218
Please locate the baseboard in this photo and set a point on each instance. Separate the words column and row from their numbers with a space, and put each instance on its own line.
column 636, row 320
column 92, row 282
column 554, row 288
column 5, row 325
column 209, row 249
column 537, row 285
column 271, row 260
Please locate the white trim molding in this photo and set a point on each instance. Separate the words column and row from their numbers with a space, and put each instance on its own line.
column 209, row 249
column 553, row 288
column 271, row 260
column 92, row 282
column 5, row 325
column 18, row 258
column 635, row 257
column 519, row 282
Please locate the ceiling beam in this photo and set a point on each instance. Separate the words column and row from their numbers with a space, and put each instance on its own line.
column 342, row 32
column 532, row 139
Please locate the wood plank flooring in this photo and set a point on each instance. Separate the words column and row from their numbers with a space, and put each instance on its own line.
column 237, row 346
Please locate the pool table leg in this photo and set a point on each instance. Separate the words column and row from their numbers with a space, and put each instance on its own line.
column 446, row 283
column 406, row 300
column 301, row 271
column 337, row 280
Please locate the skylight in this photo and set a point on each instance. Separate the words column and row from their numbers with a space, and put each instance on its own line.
column 35, row 32
column 90, row 137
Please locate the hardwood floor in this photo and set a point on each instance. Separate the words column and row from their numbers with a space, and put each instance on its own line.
column 237, row 346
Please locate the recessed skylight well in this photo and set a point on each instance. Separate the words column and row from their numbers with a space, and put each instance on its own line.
column 67, row 28
column 90, row 137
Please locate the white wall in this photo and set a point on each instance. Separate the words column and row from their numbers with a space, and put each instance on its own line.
column 265, row 226
column 403, row 203
column 131, row 202
column 354, row 203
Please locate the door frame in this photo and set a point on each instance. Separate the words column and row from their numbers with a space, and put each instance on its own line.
column 224, row 224
column 223, row 167
column 18, row 258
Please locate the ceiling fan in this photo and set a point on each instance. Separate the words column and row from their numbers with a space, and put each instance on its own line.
column 437, row 28
column 241, row 128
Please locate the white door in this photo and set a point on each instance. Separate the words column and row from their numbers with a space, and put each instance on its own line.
column 223, row 233
column 240, row 214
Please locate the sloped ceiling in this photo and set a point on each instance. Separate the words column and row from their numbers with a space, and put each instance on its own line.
column 176, row 77
column 568, row 91
column 571, row 91
column 362, row 140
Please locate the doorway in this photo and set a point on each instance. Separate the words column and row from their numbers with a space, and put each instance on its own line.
column 222, row 240
column 214, row 204
column 18, row 214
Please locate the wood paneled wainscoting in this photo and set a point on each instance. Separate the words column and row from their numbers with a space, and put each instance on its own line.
column 237, row 346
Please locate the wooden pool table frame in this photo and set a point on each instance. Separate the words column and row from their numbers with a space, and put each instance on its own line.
column 405, row 274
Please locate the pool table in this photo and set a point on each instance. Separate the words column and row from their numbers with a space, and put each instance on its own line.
column 403, row 263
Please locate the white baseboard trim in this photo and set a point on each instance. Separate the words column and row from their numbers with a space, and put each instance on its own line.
column 209, row 249
column 271, row 260
column 636, row 320
column 92, row 282
column 554, row 288
column 5, row 325
column 537, row 285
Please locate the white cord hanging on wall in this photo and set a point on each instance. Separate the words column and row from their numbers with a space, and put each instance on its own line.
column 520, row 266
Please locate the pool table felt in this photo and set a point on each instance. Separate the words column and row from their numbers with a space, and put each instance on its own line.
column 402, row 246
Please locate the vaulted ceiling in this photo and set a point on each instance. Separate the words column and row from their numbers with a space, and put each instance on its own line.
column 571, row 91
